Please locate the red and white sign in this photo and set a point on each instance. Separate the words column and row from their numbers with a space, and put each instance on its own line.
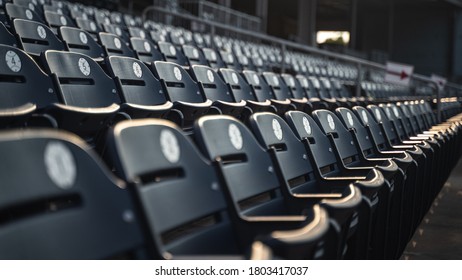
column 439, row 80
column 398, row 73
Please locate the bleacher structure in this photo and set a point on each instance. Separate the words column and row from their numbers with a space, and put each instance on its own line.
column 123, row 137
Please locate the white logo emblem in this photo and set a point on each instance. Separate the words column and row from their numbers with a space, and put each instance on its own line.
column 117, row 43
column 60, row 11
column 13, row 61
column 277, row 129
column 172, row 50
column 230, row 58
column 195, row 53
column 118, row 31
column 137, row 70
column 366, row 120
column 350, row 118
column 107, row 21
column 234, row 77
column 181, row 41
column 275, row 80
column 63, row 20
column 213, row 55
column 31, row 6
column 132, row 22
column 162, row 38
column 147, row 46
column 83, row 38
column 210, row 76
column 306, row 125
column 29, row 14
column 235, row 136
column 331, row 122
column 92, row 26
column 387, row 110
column 395, row 110
column 41, row 32
column 60, row 165
column 84, row 66
column 256, row 79
column 177, row 73
column 142, row 34
column 169, row 146
column 378, row 115
column 305, row 83
column 292, row 82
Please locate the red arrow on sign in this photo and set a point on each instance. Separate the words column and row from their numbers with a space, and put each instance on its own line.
column 403, row 75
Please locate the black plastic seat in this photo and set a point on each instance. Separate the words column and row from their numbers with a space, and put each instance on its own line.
column 282, row 92
column 35, row 37
column 189, row 102
column 172, row 54
column 254, row 190
column 55, row 21
column 218, row 92
column 68, row 204
column 31, row 5
column 386, row 139
column 117, row 30
column 370, row 181
column 297, row 92
column 194, row 55
column 19, row 12
column 141, row 93
column 25, row 88
column 6, row 38
column 263, row 92
column 145, row 50
column 230, row 60
column 241, row 90
column 213, row 58
column 341, row 200
column 90, row 95
column 80, row 41
column 114, row 45
column 311, row 93
column 89, row 25
column 137, row 32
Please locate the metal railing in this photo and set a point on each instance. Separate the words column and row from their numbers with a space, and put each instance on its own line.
column 361, row 64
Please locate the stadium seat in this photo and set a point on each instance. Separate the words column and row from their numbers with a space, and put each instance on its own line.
column 35, row 37
column 114, row 45
column 68, row 204
column 145, row 50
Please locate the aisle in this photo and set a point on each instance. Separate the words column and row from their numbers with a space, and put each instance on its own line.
column 439, row 237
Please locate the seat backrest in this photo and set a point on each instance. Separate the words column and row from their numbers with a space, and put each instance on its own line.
column 280, row 89
column 259, row 86
column 246, row 167
column 294, row 86
column 213, row 85
column 117, row 30
column 230, row 60
column 55, row 21
column 81, row 41
column 177, row 189
column 88, row 25
column 114, row 45
column 136, row 83
column 318, row 87
column 321, row 149
column 22, row 81
column 137, row 32
column 213, row 58
column 179, row 85
column 35, row 37
column 374, row 121
column 240, row 89
column 351, row 122
column 273, row 132
column 81, row 80
column 331, row 125
column 194, row 55
column 172, row 53
column 394, row 128
column 307, row 85
column 6, row 38
column 145, row 50
column 15, row 11
column 59, row 202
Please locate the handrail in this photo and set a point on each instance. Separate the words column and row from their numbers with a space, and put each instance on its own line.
column 285, row 43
